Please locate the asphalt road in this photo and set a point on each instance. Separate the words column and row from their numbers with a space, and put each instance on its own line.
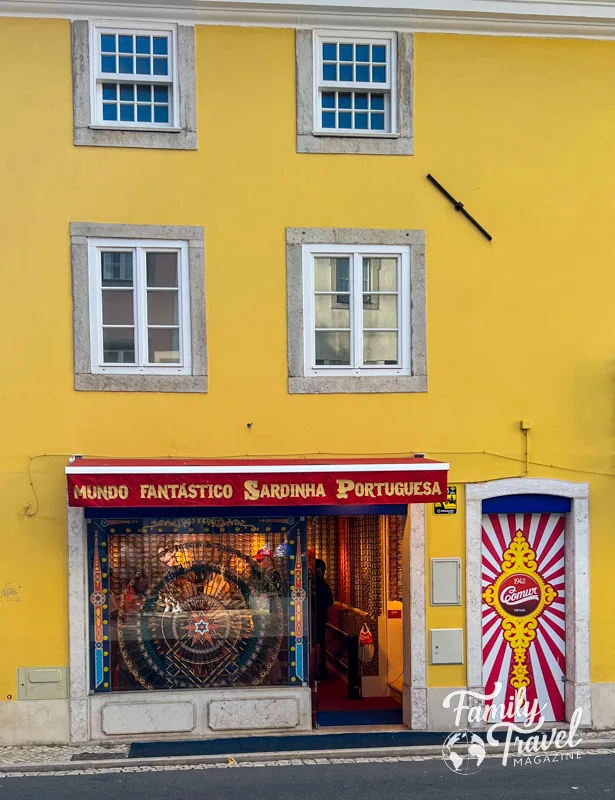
column 587, row 777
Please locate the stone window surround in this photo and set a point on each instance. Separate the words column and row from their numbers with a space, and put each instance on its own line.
column 86, row 134
column 396, row 144
column 85, row 380
column 577, row 693
column 298, row 381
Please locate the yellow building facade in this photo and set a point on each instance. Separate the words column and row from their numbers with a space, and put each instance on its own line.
column 515, row 385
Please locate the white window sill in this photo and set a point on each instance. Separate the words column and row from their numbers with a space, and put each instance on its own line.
column 357, row 134
column 173, row 372
column 352, row 373
column 139, row 128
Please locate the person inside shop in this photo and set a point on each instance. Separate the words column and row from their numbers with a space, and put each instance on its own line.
column 323, row 600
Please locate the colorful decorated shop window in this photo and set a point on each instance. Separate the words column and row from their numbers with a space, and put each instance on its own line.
column 189, row 603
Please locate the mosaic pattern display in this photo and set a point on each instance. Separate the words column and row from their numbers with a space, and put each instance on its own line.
column 191, row 603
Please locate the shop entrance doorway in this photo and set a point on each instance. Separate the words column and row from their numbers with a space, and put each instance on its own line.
column 356, row 653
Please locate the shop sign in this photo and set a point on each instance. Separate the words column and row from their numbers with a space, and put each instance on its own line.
column 449, row 506
column 236, row 489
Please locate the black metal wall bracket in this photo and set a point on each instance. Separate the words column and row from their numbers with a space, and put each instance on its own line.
column 459, row 207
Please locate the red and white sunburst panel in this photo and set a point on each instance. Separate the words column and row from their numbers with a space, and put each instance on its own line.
column 545, row 657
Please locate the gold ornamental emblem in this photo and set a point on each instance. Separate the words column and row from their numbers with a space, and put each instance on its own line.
column 519, row 596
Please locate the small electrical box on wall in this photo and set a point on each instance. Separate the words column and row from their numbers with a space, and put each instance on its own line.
column 42, row 683
column 445, row 581
column 446, row 646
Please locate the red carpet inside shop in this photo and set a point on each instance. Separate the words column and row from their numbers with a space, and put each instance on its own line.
column 335, row 709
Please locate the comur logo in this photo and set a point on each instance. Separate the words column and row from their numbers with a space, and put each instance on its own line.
column 519, row 594
column 464, row 750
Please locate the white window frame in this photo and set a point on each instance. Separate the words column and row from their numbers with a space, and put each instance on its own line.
column 389, row 89
column 356, row 253
column 139, row 248
column 97, row 78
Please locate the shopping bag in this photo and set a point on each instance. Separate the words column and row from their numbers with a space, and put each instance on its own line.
column 366, row 644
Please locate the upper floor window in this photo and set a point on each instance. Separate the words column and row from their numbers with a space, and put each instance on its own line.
column 134, row 85
column 139, row 308
column 355, row 83
column 357, row 310
column 135, row 77
column 354, row 92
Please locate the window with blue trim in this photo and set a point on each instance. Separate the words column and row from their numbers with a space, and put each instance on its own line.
column 355, row 84
column 134, row 73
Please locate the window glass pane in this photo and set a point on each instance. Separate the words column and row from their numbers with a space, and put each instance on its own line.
column 116, row 269
column 161, row 114
column 125, row 44
column 362, row 74
column 117, row 307
column 346, row 72
column 329, row 72
column 380, row 274
column 161, row 45
column 379, row 74
column 380, row 348
column 161, row 66
column 162, row 308
column 193, row 606
column 109, row 112
column 107, row 43
column 362, row 52
column 127, row 92
column 332, row 348
column 344, row 100
column 126, row 66
column 379, row 53
column 118, row 346
column 107, row 64
column 377, row 102
column 346, row 52
column 163, row 345
column 331, row 274
column 328, row 119
column 109, row 91
column 329, row 51
column 162, row 269
column 380, row 311
column 144, row 66
column 332, row 311
column 161, row 94
column 143, row 44
column 144, row 113
column 127, row 113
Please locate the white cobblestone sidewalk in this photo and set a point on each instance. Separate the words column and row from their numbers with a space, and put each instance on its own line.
column 99, row 753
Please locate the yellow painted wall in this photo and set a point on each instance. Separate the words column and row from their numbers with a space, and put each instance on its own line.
column 521, row 130
column 445, row 539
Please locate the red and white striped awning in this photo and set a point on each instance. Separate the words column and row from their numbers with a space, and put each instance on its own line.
column 101, row 483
